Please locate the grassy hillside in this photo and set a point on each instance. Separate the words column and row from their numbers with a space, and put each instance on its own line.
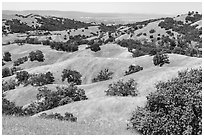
column 100, row 109
column 36, row 126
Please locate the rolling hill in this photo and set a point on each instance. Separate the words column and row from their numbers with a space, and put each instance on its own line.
column 99, row 110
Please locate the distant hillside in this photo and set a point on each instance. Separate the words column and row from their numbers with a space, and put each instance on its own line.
column 20, row 23
column 106, row 18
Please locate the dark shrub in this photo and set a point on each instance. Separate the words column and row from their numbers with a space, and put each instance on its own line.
column 6, row 72
column 139, row 34
column 46, row 42
column 110, row 39
column 20, row 42
column 3, row 63
column 174, row 109
column 133, row 69
column 103, row 75
column 121, row 88
column 36, row 55
column 151, row 36
column 72, row 76
column 95, row 47
column 178, row 50
column 20, row 61
column 9, row 108
column 153, row 52
column 22, row 76
column 137, row 53
column 7, row 56
column 65, row 100
column 160, row 59
column 152, row 31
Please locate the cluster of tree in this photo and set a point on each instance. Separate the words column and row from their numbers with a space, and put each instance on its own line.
column 133, row 69
column 36, row 55
column 9, row 108
column 9, row 84
column 103, row 75
column 95, row 44
column 58, row 24
column 166, row 45
column 193, row 17
column 72, row 76
column 23, row 77
column 20, row 42
column 6, row 71
column 20, row 61
column 47, row 23
column 121, row 88
column 136, row 47
column 64, row 46
column 139, row 25
column 32, row 40
column 105, row 28
column 47, row 99
column 191, row 33
column 41, row 79
column 16, row 26
column 68, row 116
column 174, row 109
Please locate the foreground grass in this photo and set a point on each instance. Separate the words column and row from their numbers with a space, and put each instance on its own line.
column 35, row 126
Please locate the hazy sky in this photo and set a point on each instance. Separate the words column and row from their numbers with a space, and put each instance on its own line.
column 113, row 7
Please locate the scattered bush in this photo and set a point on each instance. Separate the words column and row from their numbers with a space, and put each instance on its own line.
column 174, row 109
column 121, row 88
column 68, row 116
column 160, row 59
column 103, row 75
column 72, row 76
column 133, row 69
